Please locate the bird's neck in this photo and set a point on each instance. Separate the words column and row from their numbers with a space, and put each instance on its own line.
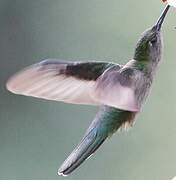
column 148, row 67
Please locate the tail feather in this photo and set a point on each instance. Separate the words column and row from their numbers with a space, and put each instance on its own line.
column 107, row 121
column 89, row 144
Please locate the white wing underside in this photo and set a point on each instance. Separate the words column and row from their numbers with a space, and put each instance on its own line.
column 48, row 84
column 117, row 96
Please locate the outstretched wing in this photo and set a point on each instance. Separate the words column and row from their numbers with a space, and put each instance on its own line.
column 78, row 83
column 71, row 82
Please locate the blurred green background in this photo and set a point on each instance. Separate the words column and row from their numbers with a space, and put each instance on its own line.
column 37, row 135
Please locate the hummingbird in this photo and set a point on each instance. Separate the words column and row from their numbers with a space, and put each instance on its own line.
column 118, row 90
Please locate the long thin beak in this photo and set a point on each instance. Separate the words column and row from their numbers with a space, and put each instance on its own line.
column 162, row 17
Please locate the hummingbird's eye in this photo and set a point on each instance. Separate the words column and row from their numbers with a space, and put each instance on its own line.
column 153, row 40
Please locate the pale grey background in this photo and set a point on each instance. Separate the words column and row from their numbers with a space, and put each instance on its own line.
column 37, row 135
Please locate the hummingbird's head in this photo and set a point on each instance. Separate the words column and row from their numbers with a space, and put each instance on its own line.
column 149, row 45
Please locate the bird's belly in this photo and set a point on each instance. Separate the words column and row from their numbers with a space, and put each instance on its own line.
column 142, row 90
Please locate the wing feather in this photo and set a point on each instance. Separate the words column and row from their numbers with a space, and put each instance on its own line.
column 92, row 83
column 60, row 81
